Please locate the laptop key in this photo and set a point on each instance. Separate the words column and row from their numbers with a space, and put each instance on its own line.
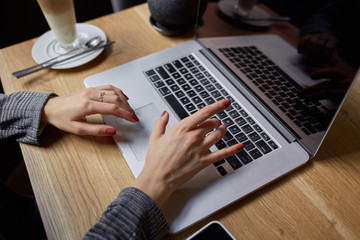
column 180, row 94
column 221, row 115
column 170, row 68
column 254, row 136
column 255, row 153
column 209, row 100
column 185, row 59
column 164, row 91
column 218, row 163
column 190, row 107
column 240, row 121
column 273, row 144
column 228, row 122
column 175, row 88
column 234, row 129
column 247, row 128
column 232, row 142
column 196, row 100
column 176, row 106
column 178, row 64
column 150, row 72
column 220, row 144
column 234, row 162
column 162, row 73
column 185, row 100
column 234, row 114
column 227, row 136
column 248, row 145
column 262, row 145
column 244, row 157
column 241, row 137
column 154, row 78
column 222, row 171
column 159, row 84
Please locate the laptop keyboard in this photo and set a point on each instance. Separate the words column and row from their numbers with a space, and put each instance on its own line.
column 277, row 86
column 187, row 87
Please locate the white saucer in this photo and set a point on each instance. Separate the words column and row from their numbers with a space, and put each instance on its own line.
column 44, row 47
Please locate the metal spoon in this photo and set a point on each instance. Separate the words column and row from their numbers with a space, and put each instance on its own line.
column 92, row 42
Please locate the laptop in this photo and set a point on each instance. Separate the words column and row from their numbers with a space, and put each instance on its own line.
column 261, row 74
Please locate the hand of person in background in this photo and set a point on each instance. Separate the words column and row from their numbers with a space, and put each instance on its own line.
column 319, row 49
column 68, row 113
column 334, row 88
column 177, row 155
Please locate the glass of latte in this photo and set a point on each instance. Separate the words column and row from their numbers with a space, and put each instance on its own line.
column 60, row 15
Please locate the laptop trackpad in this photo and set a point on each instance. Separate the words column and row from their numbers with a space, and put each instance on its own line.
column 137, row 134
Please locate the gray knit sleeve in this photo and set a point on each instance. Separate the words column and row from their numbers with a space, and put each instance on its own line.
column 20, row 115
column 132, row 215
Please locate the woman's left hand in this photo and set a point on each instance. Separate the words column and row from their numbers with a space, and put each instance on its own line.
column 68, row 113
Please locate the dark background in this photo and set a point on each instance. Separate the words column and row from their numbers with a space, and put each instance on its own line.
column 22, row 19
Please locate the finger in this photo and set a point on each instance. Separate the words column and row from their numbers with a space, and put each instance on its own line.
column 203, row 114
column 84, row 128
column 314, row 88
column 114, row 98
column 111, row 109
column 331, row 73
column 160, row 126
column 223, row 153
column 110, row 88
column 207, row 126
column 214, row 137
column 332, row 42
column 335, row 94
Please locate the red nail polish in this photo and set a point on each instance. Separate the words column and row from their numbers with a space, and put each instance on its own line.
column 110, row 131
column 127, row 98
column 240, row 146
column 136, row 118
column 219, row 121
column 163, row 113
column 227, row 103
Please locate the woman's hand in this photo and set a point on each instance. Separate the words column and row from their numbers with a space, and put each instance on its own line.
column 177, row 155
column 69, row 113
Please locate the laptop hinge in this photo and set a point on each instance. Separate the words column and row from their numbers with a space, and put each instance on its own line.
column 287, row 134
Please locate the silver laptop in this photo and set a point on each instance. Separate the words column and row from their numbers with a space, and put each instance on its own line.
column 261, row 75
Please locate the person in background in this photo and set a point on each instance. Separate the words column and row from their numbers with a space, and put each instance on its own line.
column 326, row 40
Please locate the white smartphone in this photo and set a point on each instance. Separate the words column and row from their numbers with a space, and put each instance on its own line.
column 211, row 231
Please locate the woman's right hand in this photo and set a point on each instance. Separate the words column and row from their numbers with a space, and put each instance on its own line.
column 177, row 155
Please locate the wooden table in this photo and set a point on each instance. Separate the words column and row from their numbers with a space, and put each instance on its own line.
column 74, row 178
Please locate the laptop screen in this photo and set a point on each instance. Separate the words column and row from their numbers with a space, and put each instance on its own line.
column 304, row 108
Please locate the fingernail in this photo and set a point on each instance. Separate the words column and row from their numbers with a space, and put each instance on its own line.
column 110, row 131
column 163, row 113
column 219, row 121
column 240, row 146
column 127, row 98
column 135, row 118
column 227, row 103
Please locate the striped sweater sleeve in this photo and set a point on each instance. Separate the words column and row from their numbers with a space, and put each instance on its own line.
column 20, row 115
column 132, row 215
